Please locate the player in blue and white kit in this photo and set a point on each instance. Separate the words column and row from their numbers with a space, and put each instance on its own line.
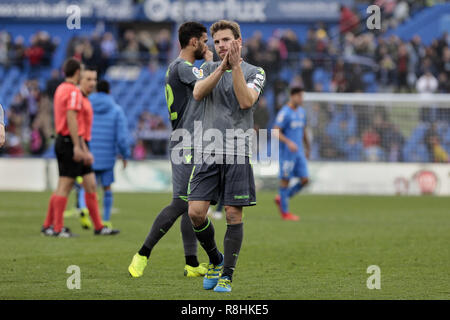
column 294, row 150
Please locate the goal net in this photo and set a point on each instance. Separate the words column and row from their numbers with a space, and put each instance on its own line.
column 379, row 127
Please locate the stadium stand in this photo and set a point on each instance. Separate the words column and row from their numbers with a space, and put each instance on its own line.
column 319, row 56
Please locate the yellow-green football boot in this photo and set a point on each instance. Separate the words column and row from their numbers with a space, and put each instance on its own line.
column 198, row 271
column 137, row 265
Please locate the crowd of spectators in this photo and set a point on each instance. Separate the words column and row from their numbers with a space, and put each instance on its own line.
column 39, row 52
column 333, row 59
column 30, row 121
column 135, row 48
column 347, row 55
column 151, row 135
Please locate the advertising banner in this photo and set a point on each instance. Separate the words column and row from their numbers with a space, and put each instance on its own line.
column 178, row 10
column 326, row 177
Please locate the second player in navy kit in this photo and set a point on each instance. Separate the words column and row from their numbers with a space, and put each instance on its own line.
column 181, row 77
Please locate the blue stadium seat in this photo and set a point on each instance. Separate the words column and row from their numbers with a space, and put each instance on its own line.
column 286, row 74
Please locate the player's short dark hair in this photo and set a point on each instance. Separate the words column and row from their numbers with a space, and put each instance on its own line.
column 189, row 30
column 71, row 66
column 89, row 68
column 226, row 24
column 295, row 90
column 103, row 86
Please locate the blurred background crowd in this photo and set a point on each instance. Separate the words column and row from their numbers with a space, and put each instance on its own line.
column 327, row 57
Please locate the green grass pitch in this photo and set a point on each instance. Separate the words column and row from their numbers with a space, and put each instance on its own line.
column 323, row 256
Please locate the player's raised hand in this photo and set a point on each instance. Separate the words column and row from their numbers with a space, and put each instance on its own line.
column 234, row 57
column 225, row 65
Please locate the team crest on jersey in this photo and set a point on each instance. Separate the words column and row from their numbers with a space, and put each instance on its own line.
column 197, row 72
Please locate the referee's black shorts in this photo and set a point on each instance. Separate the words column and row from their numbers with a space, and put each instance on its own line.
column 67, row 167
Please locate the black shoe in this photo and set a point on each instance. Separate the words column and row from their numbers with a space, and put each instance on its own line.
column 47, row 231
column 105, row 231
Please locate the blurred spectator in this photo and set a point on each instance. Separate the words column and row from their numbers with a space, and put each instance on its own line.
column 309, row 47
column 339, row 83
column 417, row 52
column 108, row 47
column 391, row 140
column 253, row 49
column 386, row 72
column 139, row 152
column 348, row 21
column 5, row 45
column 52, row 83
column 371, row 143
column 280, row 94
column 91, row 55
column 353, row 149
column 402, row 68
column 445, row 64
column 341, row 137
column 293, row 47
column 427, row 83
column 271, row 60
column 327, row 150
column 261, row 119
column 434, row 146
column 401, row 11
column 147, row 45
column 443, row 83
column 30, row 91
column 18, row 52
column 18, row 106
column 130, row 48
column 38, row 142
column 44, row 41
column 355, row 83
column 152, row 129
column 307, row 74
column 35, row 55
column 164, row 45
